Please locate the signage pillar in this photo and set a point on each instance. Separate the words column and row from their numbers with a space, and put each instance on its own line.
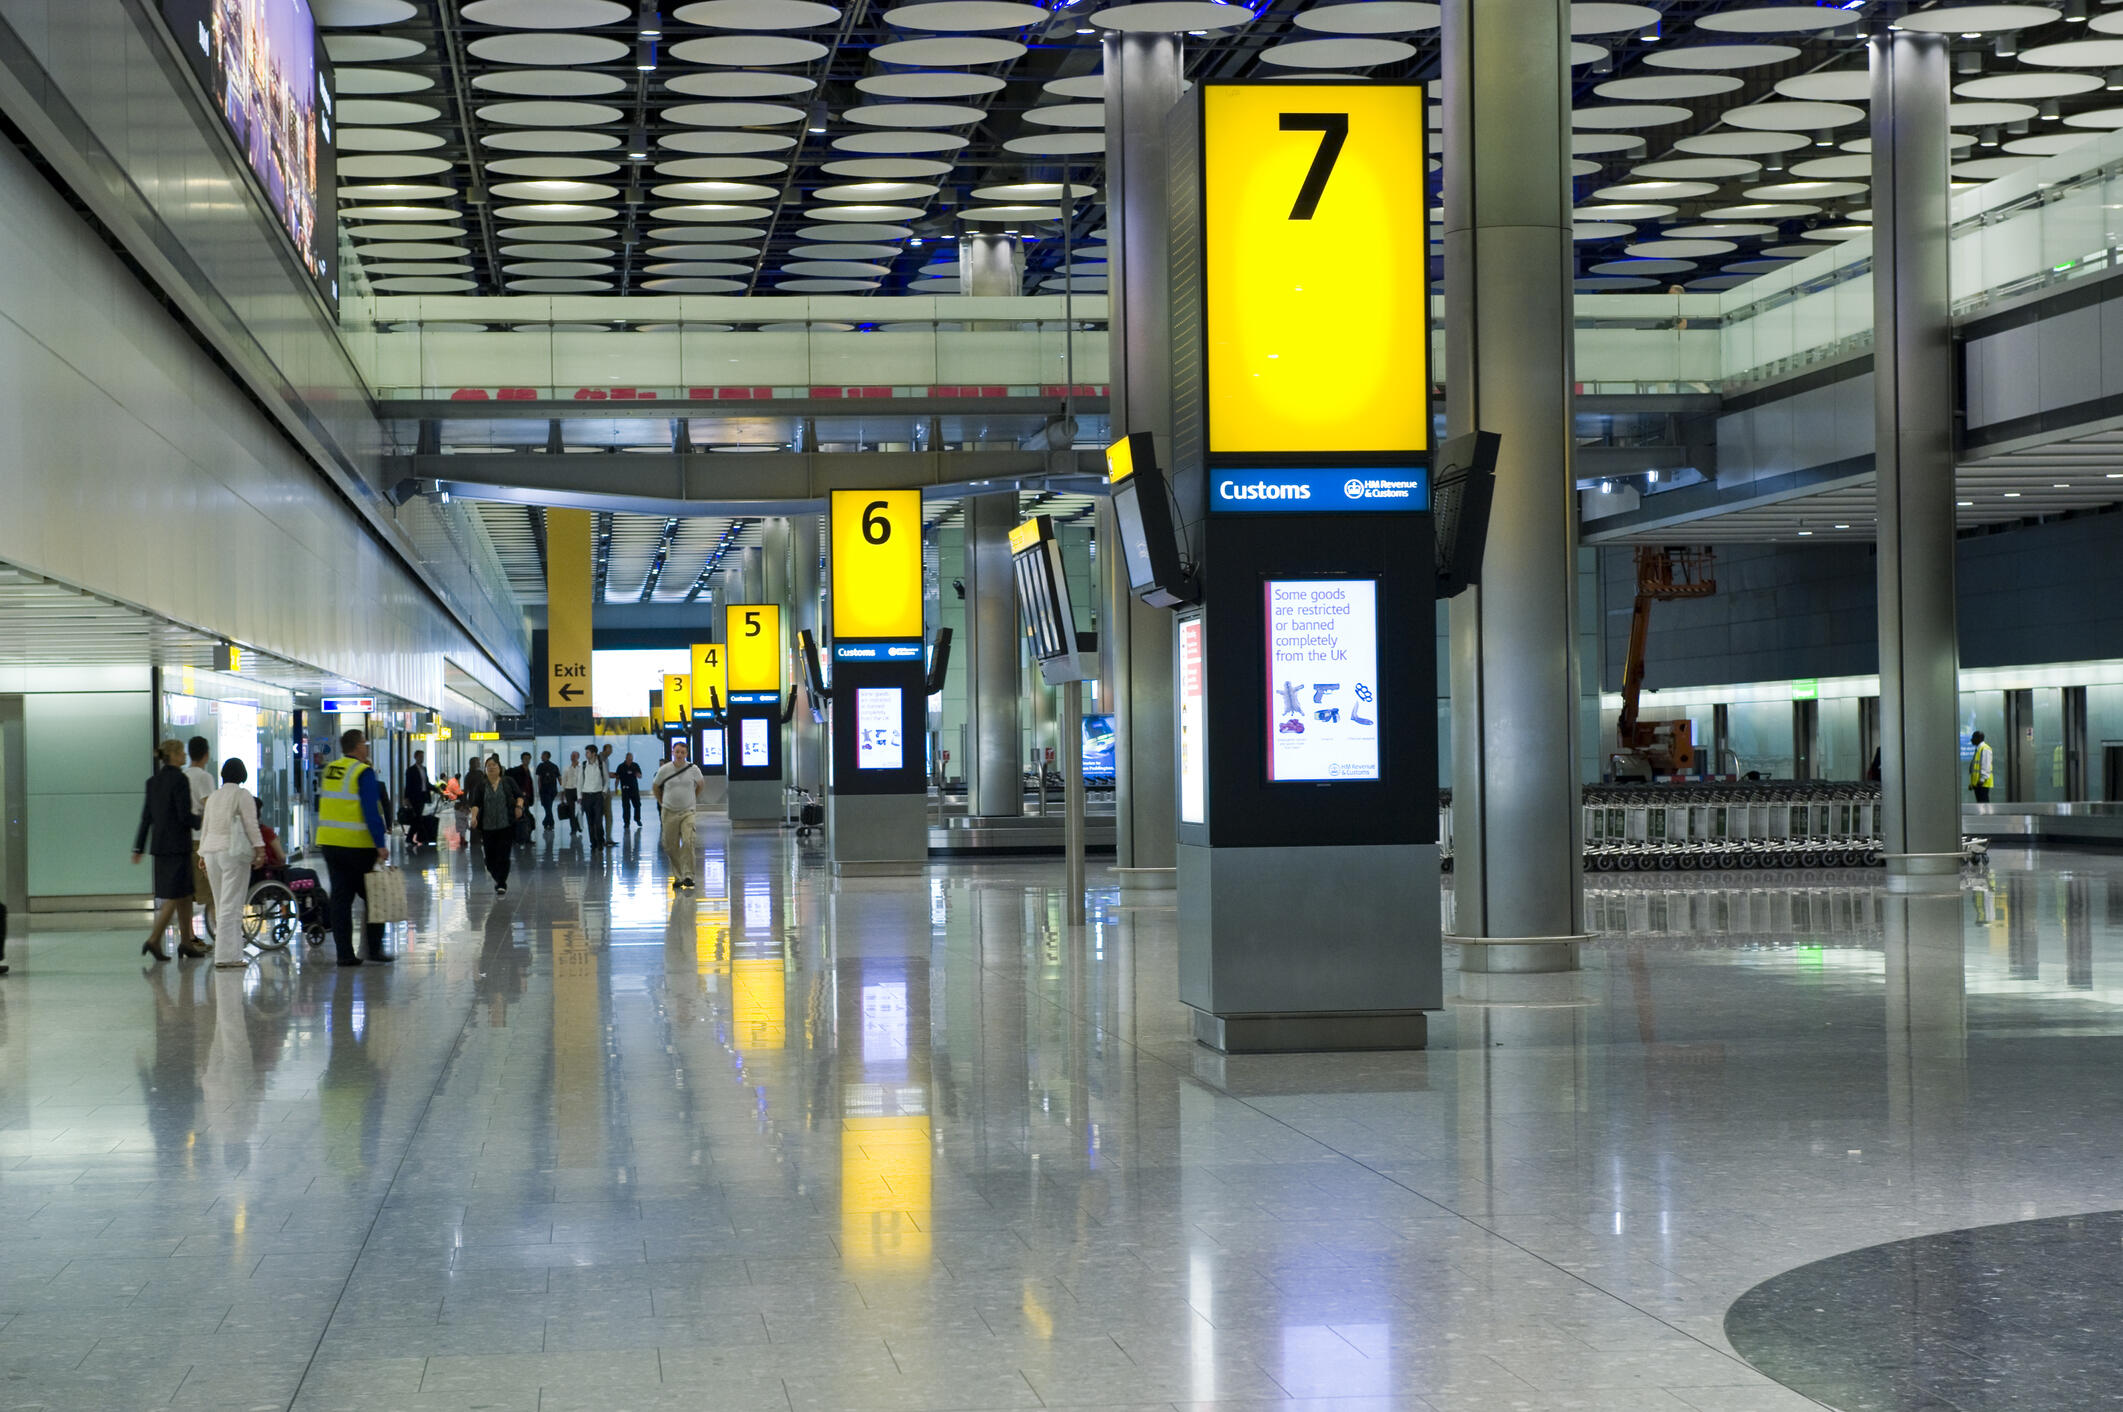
column 1145, row 76
column 753, row 658
column 877, row 806
column 995, row 786
column 807, row 746
column 1308, row 856
column 1517, row 854
column 1913, row 377
column 569, row 583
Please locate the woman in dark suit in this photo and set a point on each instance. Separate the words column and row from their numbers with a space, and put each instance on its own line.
column 165, row 833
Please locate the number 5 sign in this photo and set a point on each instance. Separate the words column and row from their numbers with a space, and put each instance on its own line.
column 876, row 586
column 1316, row 280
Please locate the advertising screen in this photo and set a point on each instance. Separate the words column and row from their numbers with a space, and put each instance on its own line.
column 877, row 728
column 1098, row 745
column 712, row 747
column 259, row 62
column 752, row 742
column 1193, row 726
column 1322, row 686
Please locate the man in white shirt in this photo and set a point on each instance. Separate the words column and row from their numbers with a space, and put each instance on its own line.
column 571, row 792
column 592, row 797
column 203, row 783
column 677, row 790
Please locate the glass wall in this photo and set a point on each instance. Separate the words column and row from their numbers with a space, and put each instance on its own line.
column 241, row 719
column 1758, row 739
column 1838, row 752
column 1983, row 711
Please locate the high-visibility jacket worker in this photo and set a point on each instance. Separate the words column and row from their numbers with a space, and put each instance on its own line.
column 1979, row 768
column 353, row 836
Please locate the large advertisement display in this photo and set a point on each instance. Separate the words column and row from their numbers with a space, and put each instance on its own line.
column 259, row 61
column 878, row 745
column 1322, row 687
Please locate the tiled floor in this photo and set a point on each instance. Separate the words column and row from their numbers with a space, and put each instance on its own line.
column 792, row 1145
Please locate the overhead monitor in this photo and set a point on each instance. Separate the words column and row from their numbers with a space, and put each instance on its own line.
column 1142, row 510
column 1322, row 689
column 263, row 71
column 1042, row 595
column 878, row 731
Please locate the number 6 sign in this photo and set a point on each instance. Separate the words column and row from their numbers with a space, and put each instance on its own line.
column 1315, row 267
column 876, row 565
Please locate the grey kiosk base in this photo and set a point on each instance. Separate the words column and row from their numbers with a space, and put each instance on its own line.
column 756, row 804
column 878, row 835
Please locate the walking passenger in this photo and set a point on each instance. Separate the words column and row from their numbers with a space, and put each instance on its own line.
column 629, row 776
column 548, row 785
column 201, row 779
column 591, row 800
column 165, row 833
column 500, row 806
column 677, row 791
column 231, row 844
column 571, row 793
column 1979, row 768
column 352, row 832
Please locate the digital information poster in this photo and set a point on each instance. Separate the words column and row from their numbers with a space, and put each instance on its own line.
column 752, row 742
column 711, row 746
column 877, row 728
column 1193, row 726
column 1322, row 679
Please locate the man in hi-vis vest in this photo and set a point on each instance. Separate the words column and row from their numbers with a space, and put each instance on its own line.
column 1979, row 766
column 352, row 832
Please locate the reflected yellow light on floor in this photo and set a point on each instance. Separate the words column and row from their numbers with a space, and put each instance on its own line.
column 759, row 1004
column 885, row 1173
column 711, row 934
column 578, row 1049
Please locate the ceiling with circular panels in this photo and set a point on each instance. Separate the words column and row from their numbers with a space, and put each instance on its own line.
column 755, row 146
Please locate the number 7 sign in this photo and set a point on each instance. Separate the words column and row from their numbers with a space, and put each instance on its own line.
column 1315, row 270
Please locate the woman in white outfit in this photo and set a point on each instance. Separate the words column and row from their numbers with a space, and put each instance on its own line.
column 230, row 845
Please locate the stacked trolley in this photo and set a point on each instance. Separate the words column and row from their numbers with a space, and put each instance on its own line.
column 1688, row 827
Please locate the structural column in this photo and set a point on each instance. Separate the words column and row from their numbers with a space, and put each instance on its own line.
column 1913, row 397
column 991, row 265
column 994, row 775
column 1145, row 77
column 1516, row 846
column 807, row 749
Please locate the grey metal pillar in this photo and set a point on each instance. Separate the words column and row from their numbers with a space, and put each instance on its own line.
column 991, row 264
column 743, row 575
column 1508, row 331
column 1145, row 76
column 806, row 736
column 1913, row 454
column 994, row 773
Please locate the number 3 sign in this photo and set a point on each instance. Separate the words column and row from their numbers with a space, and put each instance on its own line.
column 876, row 540
column 1316, row 277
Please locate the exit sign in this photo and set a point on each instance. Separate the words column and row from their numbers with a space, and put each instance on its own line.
column 348, row 705
column 1806, row 689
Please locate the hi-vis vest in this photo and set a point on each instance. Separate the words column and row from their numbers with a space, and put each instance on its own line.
column 340, row 822
column 1979, row 767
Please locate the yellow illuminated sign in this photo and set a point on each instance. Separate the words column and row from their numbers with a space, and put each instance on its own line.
column 1025, row 536
column 567, row 597
column 877, row 585
column 752, row 644
column 1120, row 459
column 708, row 689
column 677, row 699
column 1316, row 267
column 478, row 735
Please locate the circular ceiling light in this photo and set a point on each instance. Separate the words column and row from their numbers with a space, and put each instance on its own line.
column 831, row 251
column 1614, row 285
column 423, row 284
column 552, row 167
column 2072, row 54
column 703, row 252
column 1171, row 16
column 534, row 113
column 2023, row 87
column 873, row 191
column 1775, row 116
column 1600, row 230
column 1581, row 166
column 1010, row 214
column 410, row 250
column 1850, row 232
column 1834, row 169
column 2048, row 144
column 1656, row 191
column 1728, row 230
column 1081, row 115
column 1807, row 191
column 560, row 286
column 748, row 51
column 853, row 231
column 886, row 168
column 898, row 115
column 1611, row 19
column 1628, row 115
column 826, row 286
column 370, row 48
column 726, row 142
column 1991, row 168
column 545, row 139
column 1762, row 211
column 1697, row 168
column 1990, row 114
column 556, row 232
column 733, row 114
column 385, row 112
column 356, row 13
column 840, row 269
column 966, row 15
column 947, row 53
column 1032, row 191
column 554, row 191
column 739, row 83
column 545, row 14
column 556, row 252
column 757, row 14
column 352, row 80
column 1776, row 19
column 887, row 142
column 712, row 213
column 1086, row 85
column 1663, row 88
column 417, row 267
column 1370, row 17
column 1588, row 143
column 713, row 191
column 1643, row 267
column 546, row 50
column 386, row 139
column 1979, row 19
column 864, row 213
column 553, row 211
column 1336, row 53
column 931, row 85
column 697, row 269
column 388, row 230
column 721, row 168
column 2096, row 118
column 549, row 83
column 1829, row 86
column 1721, row 56
column 557, row 268
column 1057, row 144
column 394, row 191
column 675, row 234
column 1632, row 211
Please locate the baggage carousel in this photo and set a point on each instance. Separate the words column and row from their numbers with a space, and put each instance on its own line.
column 970, row 836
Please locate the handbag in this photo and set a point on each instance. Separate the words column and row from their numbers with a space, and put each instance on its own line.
column 567, row 809
column 386, row 896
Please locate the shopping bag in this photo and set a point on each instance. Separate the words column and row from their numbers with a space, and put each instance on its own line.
column 386, row 896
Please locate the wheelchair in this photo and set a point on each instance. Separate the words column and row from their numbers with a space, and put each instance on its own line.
column 284, row 902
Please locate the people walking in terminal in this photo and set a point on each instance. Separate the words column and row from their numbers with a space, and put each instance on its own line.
column 201, row 779
column 604, row 757
column 414, row 802
column 500, row 806
column 521, row 776
column 595, row 780
column 165, row 833
column 353, row 835
column 548, row 785
column 571, row 793
column 629, row 776
column 1979, row 768
column 677, row 791
column 231, row 844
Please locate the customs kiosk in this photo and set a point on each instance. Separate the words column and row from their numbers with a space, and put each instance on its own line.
column 1307, row 693
column 753, row 715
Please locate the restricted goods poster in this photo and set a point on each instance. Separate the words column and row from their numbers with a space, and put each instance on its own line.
column 1323, row 704
column 1193, row 726
column 877, row 728
column 752, row 743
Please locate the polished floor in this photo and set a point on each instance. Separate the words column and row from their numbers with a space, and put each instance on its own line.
column 790, row 1145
